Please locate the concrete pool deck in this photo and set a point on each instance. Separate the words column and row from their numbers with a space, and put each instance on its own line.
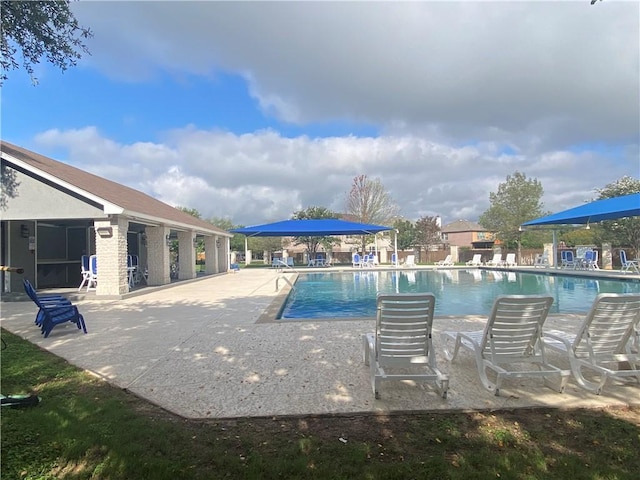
column 199, row 350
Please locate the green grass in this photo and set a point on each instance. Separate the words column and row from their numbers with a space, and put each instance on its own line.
column 85, row 428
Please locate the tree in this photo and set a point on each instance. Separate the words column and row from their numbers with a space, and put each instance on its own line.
column 369, row 202
column 40, row 29
column 427, row 232
column 236, row 244
column 516, row 202
column 313, row 243
column 621, row 231
column 9, row 181
column 191, row 211
column 579, row 236
column 406, row 234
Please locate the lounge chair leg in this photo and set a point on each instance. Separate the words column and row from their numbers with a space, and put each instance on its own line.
column 595, row 387
column 365, row 348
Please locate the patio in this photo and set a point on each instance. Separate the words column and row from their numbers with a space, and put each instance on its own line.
column 199, row 350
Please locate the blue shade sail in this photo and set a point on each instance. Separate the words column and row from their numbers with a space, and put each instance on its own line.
column 310, row 228
column 607, row 209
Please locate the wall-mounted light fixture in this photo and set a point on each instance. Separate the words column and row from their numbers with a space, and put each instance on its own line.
column 104, row 231
column 218, row 243
column 24, row 231
column 143, row 239
column 168, row 239
column 195, row 242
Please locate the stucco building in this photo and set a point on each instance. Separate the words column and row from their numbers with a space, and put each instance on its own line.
column 53, row 213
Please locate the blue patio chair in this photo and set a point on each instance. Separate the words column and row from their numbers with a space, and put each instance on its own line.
column 84, row 271
column 356, row 260
column 53, row 310
column 591, row 260
column 567, row 259
column 394, row 259
column 290, row 262
column 93, row 273
column 61, row 314
column 627, row 265
column 43, row 301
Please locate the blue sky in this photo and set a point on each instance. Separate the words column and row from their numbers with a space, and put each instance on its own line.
column 251, row 111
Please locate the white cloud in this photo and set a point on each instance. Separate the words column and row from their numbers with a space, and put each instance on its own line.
column 263, row 177
column 464, row 93
column 543, row 75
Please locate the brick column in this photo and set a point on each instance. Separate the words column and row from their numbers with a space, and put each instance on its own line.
column 186, row 256
column 158, row 256
column 111, row 249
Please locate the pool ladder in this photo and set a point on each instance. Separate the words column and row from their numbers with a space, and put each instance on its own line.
column 283, row 277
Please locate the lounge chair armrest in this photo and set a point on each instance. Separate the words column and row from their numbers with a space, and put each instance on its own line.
column 552, row 335
column 466, row 337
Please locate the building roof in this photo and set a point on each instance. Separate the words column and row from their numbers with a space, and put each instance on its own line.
column 113, row 197
column 462, row 226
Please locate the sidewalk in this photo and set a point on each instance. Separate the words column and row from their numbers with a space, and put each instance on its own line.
column 198, row 350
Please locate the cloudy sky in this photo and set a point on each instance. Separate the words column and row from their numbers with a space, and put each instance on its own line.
column 253, row 110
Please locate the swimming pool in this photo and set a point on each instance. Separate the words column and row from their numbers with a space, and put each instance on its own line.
column 458, row 292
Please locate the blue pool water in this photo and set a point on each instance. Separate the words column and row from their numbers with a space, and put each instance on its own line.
column 458, row 292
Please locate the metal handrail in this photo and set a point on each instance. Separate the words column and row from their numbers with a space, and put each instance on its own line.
column 286, row 280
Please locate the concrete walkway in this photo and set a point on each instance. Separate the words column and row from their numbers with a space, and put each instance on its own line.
column 198, row 350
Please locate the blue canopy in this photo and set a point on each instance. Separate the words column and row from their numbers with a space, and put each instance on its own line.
column 310, row 228
column 606, row 209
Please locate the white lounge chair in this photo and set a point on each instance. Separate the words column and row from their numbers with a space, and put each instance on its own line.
column 476, row 261
column 496, row 261
column 402, row 340
column 447, row 262
column 603, row 341
column 628, row 265
column 511, row 337
column 510, row 261
column 410, row 261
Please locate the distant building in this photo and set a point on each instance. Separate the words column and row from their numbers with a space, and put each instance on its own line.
column 463, row 233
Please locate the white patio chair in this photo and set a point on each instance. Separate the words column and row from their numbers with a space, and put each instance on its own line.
column 510, row 338
column 402, row 341
column 356, row 260
column 603, row 341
